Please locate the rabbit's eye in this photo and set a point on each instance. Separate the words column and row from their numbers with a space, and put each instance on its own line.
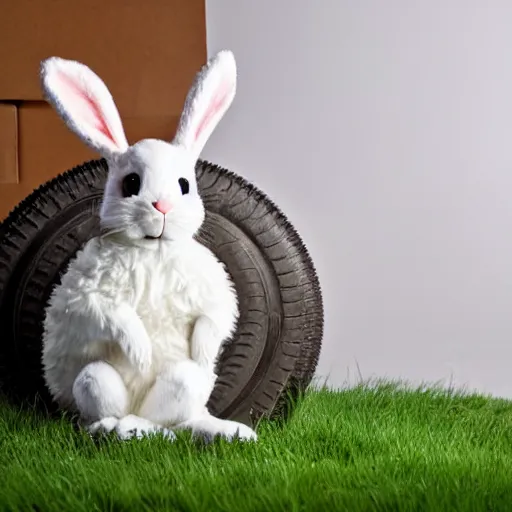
column 184, row 185
column 131, row 185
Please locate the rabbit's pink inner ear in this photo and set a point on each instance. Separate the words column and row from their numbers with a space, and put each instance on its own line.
column 217, row 105
column 86, row 110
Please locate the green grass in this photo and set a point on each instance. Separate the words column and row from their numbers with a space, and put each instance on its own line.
column 385, row 448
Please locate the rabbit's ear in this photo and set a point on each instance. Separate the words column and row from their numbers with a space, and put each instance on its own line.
column 84, row 103
column 207, row 101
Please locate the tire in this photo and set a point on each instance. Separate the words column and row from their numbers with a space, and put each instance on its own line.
column 274, row 351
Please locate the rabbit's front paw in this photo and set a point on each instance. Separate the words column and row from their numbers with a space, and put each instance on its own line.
column 136, row 345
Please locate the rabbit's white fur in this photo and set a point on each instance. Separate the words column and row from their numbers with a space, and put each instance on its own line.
column 132, row 333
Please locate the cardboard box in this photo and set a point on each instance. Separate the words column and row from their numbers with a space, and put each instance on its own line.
column 147, row 52
column 8, row 143
column 46, row 147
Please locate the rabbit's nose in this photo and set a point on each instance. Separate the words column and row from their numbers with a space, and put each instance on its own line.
column 163, row 206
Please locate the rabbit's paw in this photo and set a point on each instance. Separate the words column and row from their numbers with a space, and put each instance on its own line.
column 129, row 427
column 210, row 427
column 232, row 430
column 135, row 343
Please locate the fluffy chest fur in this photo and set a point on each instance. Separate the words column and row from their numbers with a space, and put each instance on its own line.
column 169, row 288
column 168, row 285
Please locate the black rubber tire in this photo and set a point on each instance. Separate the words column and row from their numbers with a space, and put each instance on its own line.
column 275, row 349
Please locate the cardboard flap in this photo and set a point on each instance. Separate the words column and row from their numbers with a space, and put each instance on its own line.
column 146, row 52
column 8, row 143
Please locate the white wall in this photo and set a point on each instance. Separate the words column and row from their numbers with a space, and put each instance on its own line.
column 383, row 128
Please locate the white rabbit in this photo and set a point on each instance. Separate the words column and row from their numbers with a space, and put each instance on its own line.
column 132, row 333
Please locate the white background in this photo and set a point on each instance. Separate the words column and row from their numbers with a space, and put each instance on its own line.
column 383, row 129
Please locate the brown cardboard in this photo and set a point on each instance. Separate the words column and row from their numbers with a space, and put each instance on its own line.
column 47, row 147
column 8, row 143
column 147, row 51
